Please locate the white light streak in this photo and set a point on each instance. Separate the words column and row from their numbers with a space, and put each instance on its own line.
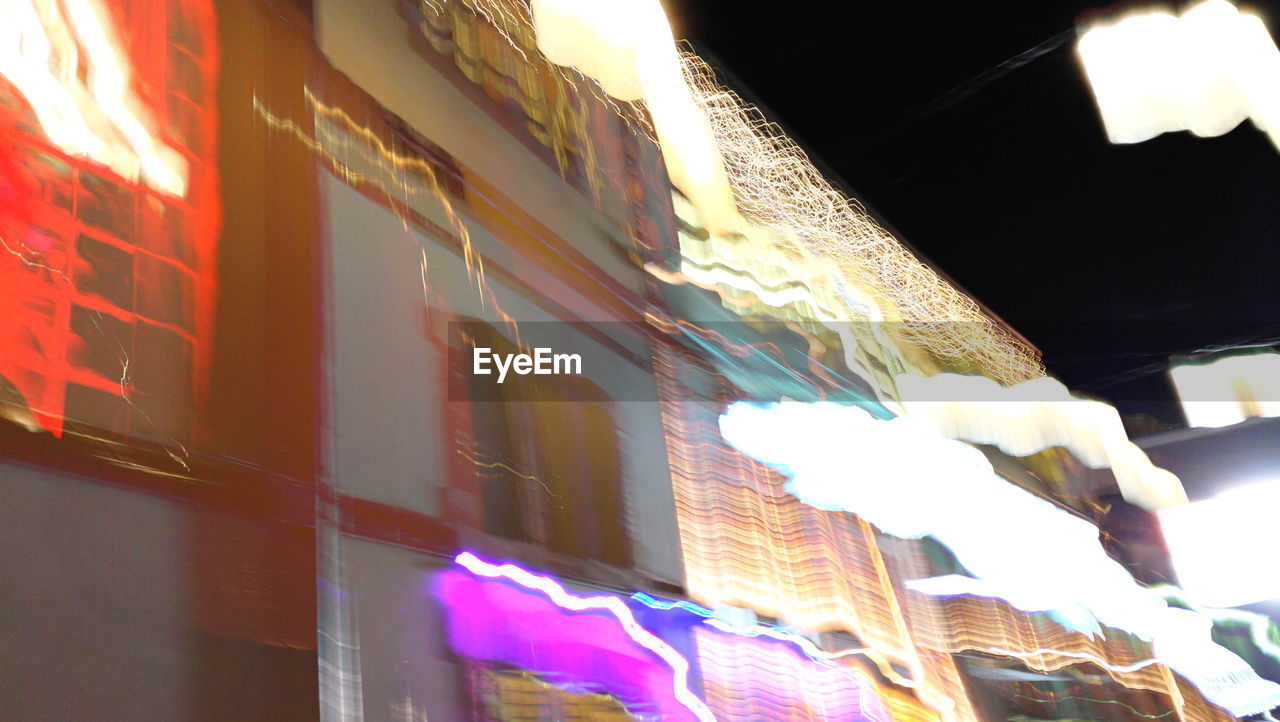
column 627, row 46
column 1204, row 71
column 1223, row 548
column 1229, row 390
column 1035, row 415
column 728, row 160
column 910, row 481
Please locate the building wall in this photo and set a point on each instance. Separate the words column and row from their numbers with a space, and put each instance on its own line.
column 120, row 604
column 391, row 289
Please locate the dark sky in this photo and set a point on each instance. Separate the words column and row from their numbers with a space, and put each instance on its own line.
column 991, row 161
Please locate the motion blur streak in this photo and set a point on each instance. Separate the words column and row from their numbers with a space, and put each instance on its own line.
column 40, row 48
column 783, row 634
column 162, row 167
column 1065, row 698
column 1259, row 625
column 613, row 605
column 494, row 621
column 627, row 46
column 757, row 267
column 774, row 682
column 1210, row 543
column 965, row 623
column 342, row 142
column 974, row 513
column 727, row 159
column 778, row 187
column 1035, row 415
column 1204, row 71
column 1251, row 381
column 748, row 543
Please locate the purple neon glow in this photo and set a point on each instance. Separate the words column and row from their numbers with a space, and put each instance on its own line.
column 588, row 645
column 498, row 621
column 773, row 680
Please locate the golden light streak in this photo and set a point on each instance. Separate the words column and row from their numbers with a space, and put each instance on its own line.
column 508, row 468
column 748, row 543
column 968, row 623
column 399, row 177
column 412, row 173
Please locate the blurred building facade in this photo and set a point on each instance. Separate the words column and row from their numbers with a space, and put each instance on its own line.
column 249, row 472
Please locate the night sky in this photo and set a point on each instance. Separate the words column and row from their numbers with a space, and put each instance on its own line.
column 969, row 128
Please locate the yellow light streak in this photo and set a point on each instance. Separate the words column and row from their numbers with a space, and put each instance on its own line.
column 475, row 460
column 399, row 177
column 747, row 542
column 968, row 623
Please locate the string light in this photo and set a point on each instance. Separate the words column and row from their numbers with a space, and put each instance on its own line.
column 727, row 159
column 778, row 187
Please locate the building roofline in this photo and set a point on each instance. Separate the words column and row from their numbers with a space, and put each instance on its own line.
column 838, row 181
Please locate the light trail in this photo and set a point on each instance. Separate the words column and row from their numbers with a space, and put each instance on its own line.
column 615, row 606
